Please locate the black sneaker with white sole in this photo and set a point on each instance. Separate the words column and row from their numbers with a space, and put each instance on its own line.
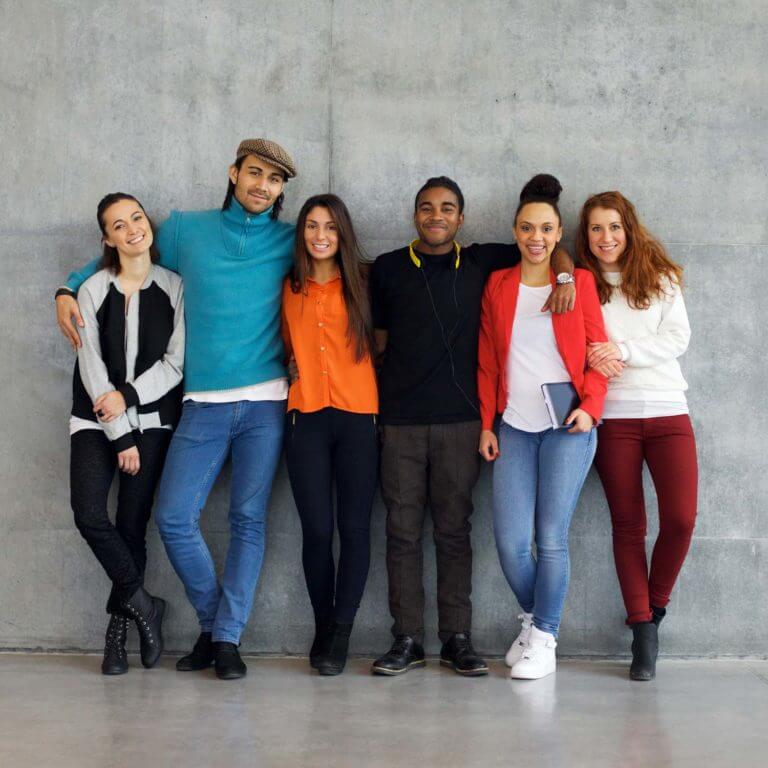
column 404, row 654
column 461, row 657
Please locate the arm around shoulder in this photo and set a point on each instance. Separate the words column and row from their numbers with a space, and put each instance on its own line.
column 167, row 241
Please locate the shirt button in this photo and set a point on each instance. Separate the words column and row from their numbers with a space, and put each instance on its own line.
column 325, row 373
column 322, row 349
column 319, row 325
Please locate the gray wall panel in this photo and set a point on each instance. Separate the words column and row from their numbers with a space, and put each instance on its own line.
column 667, row 103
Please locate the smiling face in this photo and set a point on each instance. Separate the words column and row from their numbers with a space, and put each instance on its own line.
column 257, row 183
column 537, row 231
column 127, row 229
column 607, row 238
column 437, row 218
column 321, row 236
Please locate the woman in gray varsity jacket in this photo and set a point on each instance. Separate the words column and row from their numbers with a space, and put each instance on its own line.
column 126, row 401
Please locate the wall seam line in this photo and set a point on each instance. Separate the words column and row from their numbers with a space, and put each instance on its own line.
column 331, row 73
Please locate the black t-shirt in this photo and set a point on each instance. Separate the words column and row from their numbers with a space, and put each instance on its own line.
column 426, row 312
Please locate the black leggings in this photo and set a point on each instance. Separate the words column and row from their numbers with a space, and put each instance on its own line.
column 121, row 548
column 323, row 447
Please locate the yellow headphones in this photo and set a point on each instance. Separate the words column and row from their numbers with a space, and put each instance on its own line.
column 417, row 261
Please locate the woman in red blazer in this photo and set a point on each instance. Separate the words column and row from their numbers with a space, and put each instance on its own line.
column 539, row 470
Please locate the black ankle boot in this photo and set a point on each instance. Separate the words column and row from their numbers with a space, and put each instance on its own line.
column 201, row 656
column 645, row 649
column 334, row 660
column 115, row 657
column 147, row 612
column 323, row 633
column 658, row 614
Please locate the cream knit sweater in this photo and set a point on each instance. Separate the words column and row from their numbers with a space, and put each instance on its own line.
column 650, row 341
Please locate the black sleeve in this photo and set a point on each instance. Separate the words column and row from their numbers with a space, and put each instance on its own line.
column 493, row 256
column 378, row 296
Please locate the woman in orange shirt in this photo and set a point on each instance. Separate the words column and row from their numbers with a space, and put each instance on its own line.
column 331, row 434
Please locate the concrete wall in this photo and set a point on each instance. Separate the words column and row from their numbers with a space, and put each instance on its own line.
column 665, row 101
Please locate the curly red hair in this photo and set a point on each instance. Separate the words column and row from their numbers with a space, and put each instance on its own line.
column 645, row 264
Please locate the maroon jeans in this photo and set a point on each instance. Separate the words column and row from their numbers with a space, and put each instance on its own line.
column 668, row 446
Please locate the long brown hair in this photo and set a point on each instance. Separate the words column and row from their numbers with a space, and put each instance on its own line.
column 645, row 265
column 110, row 258
column 349, row 259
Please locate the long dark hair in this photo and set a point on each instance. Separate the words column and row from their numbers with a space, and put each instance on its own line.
column 277, row 206
column 645, row 264
column 110, row 258
column 349, row 259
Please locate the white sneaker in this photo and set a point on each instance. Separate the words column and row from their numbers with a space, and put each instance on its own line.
column 521, row 641
column 538, row 659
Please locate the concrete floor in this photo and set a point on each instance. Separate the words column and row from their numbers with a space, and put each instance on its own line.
column 57, row 710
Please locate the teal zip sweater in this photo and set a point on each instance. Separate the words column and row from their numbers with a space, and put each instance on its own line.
column 233, row 264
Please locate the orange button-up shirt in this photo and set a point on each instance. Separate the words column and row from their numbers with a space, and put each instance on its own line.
column 314, row 327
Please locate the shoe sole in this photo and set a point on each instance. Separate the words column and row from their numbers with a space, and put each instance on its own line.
column 236, row 676
column 532, row 677
column 480, row 672
column 114, row 673
column 394, row 672
column 329, row 671
column 194, row 669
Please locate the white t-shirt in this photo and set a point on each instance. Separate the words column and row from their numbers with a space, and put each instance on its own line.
column 533, row 359
column 274, row 389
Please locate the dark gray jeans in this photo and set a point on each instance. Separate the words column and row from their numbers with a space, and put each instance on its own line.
column 435, row 465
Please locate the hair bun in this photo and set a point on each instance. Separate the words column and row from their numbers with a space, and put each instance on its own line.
column 544, row 186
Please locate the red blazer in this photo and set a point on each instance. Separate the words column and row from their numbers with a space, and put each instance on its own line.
column 573, row 331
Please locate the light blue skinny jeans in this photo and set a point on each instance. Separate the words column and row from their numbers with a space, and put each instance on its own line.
column 252, row 432
column 537, row 480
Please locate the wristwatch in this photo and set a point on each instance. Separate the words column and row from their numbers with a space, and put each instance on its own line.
column 564, row 278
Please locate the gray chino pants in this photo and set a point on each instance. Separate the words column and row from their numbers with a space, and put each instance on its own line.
column 435, row 465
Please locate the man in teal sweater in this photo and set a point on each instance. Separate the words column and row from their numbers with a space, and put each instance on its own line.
column 233, row 262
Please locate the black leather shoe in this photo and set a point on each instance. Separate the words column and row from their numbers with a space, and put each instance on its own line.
column 115, row 657
column 460, row 656
column 404, row 654
column 658, row 614
column 201, row 656
column 333, row 661
column 229, row 665
column 645, row 649
column 323, row 633
column 148, row 613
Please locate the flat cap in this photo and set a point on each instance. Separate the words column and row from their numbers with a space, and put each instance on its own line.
column 270, row 151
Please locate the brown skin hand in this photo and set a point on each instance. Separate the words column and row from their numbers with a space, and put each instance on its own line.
column 563, row 297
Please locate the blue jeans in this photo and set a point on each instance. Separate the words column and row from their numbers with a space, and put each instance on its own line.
column 537, row 480
column 207, row 433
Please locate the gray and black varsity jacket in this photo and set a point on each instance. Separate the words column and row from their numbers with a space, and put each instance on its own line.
column 138, row 351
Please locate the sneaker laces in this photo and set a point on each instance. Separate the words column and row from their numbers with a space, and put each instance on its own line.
column 532, row 650
column 527, row 623
column 400, row 645
column 463, row 646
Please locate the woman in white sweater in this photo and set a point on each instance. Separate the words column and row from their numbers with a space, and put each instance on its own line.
column 646, row 412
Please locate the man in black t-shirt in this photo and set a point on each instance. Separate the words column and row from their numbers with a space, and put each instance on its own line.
column 426, row 311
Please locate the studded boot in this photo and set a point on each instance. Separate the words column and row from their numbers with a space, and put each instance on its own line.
column 147, row 612
column 115, row 657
